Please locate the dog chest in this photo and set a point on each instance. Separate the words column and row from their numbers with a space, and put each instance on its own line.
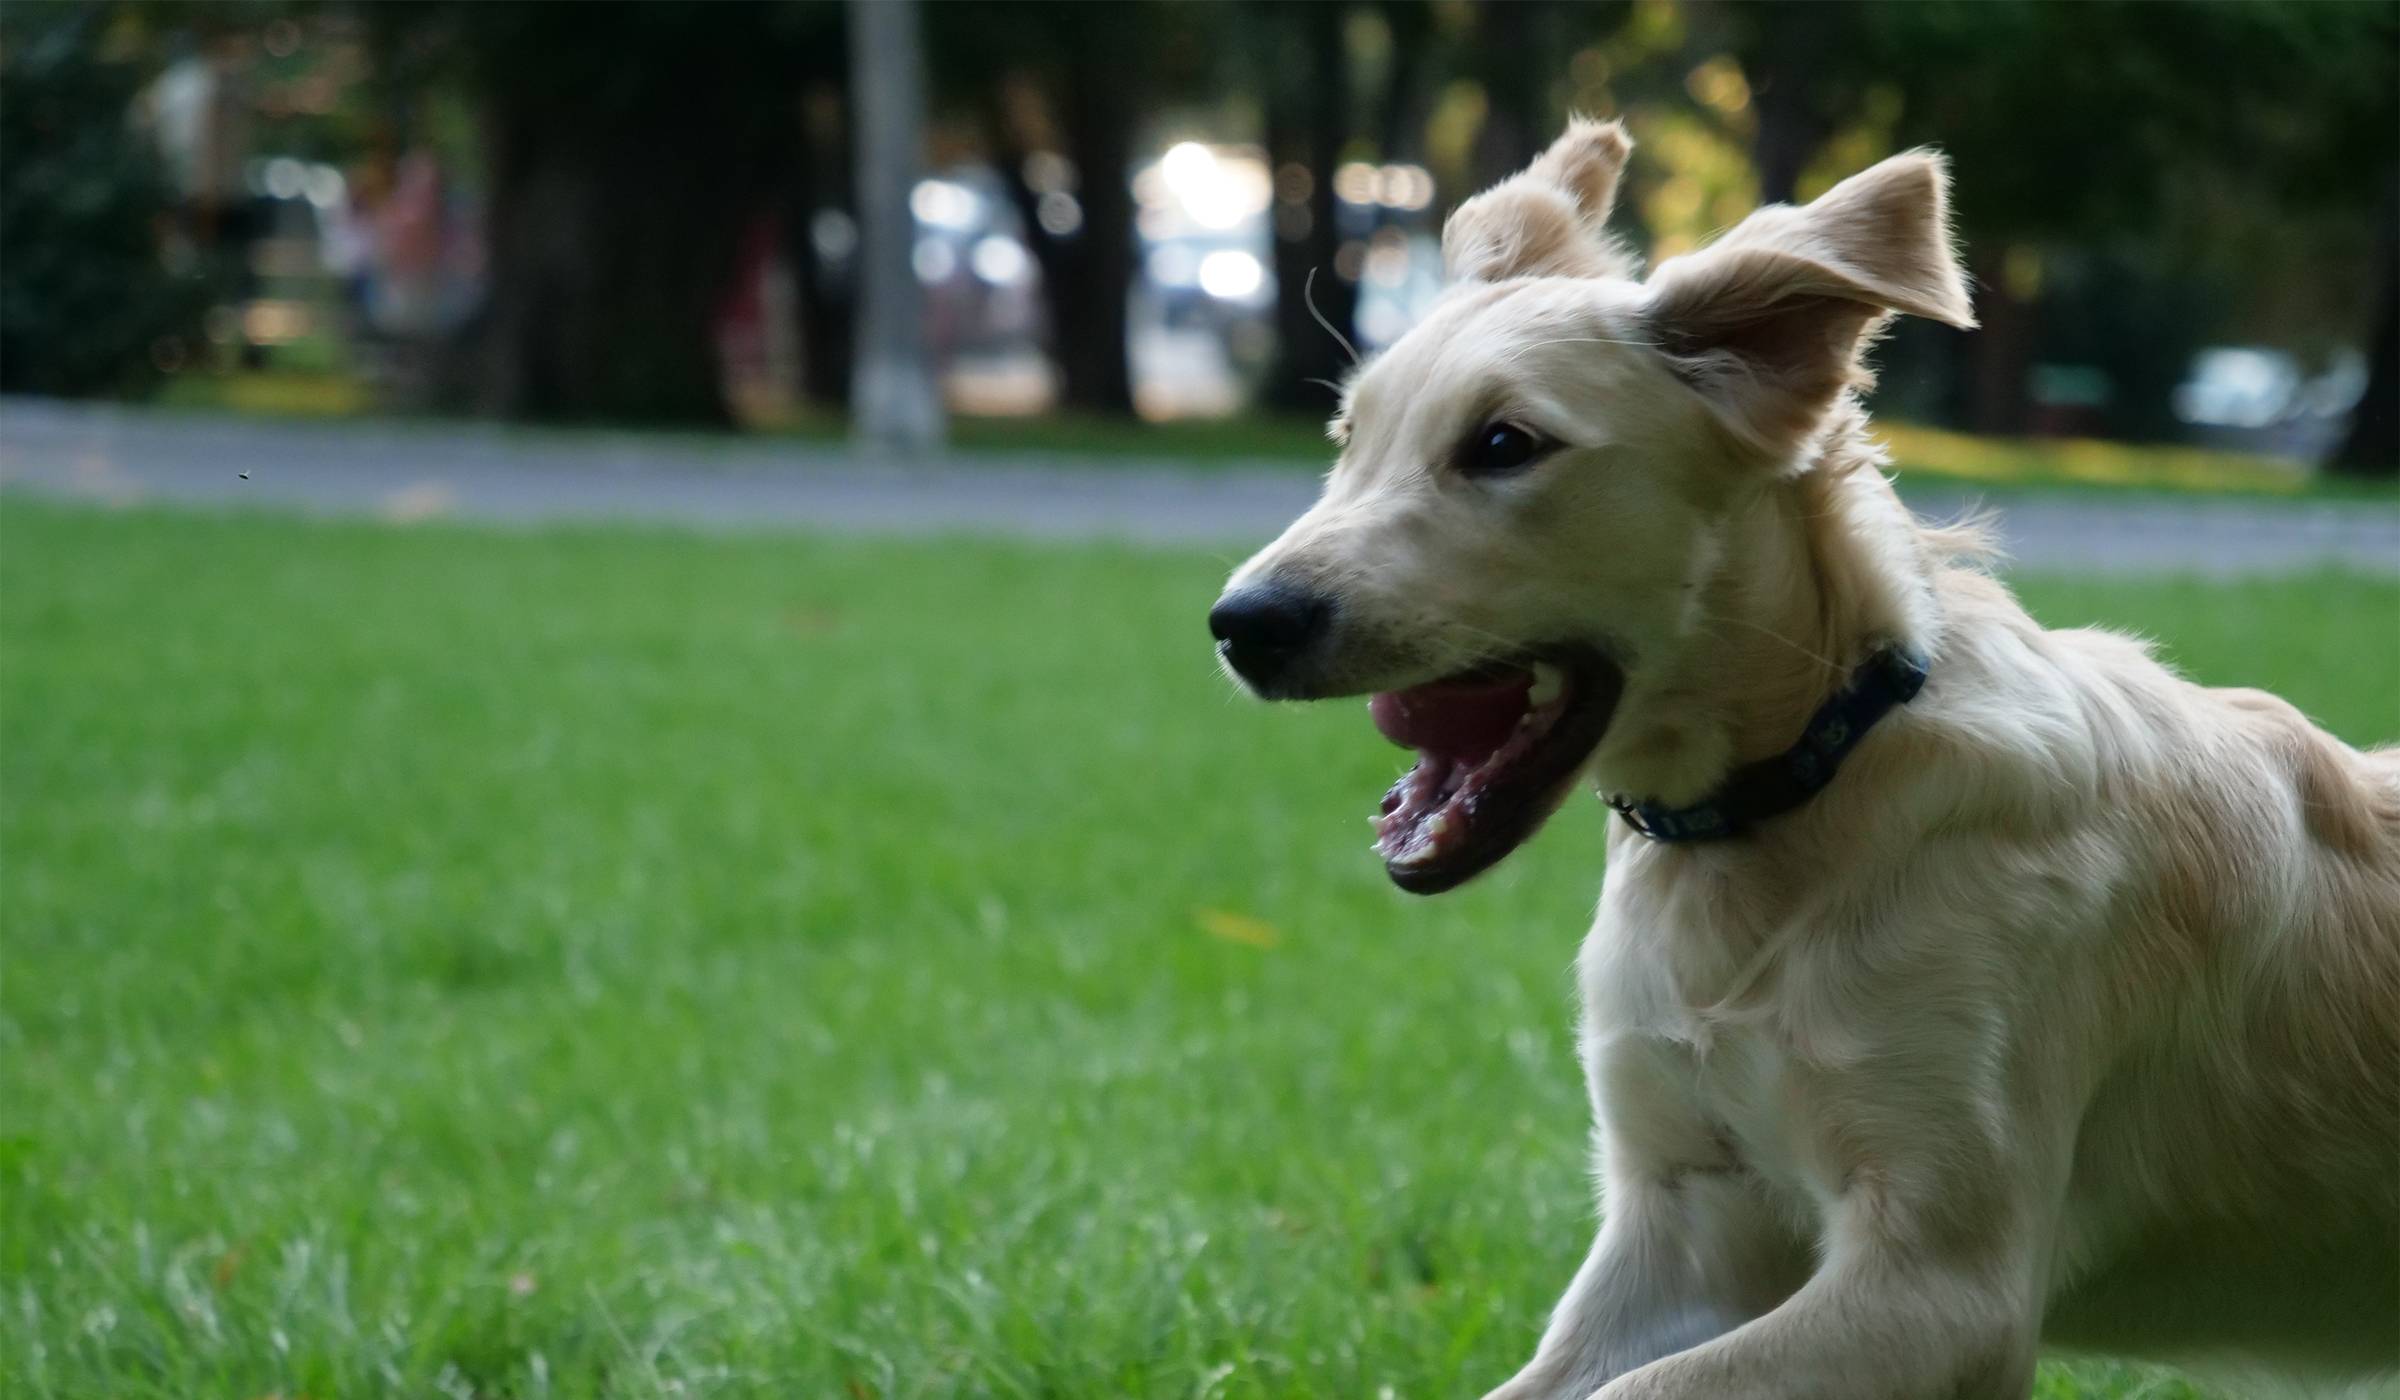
column 1700, row 1049
column 1695, row 1094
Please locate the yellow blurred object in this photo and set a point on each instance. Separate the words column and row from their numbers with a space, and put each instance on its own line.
column 2022, row 271
column 1719, row 84
column 1934, row 452
column 1237, row 928
column 276, row 393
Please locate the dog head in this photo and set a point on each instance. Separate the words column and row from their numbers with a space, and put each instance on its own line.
column 1529, row 479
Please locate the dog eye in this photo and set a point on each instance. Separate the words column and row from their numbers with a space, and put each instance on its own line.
column 1498, row 447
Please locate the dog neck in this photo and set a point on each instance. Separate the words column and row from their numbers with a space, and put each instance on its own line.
column 1809, row 573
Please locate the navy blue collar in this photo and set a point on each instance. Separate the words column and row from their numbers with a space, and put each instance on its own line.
column 1772, row 786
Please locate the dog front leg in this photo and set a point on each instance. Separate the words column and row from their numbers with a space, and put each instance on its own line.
column 1678, row 1260
column 1897, row 1312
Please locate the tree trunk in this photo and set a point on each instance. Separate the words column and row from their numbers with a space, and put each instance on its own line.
column 827, row 290
column 1407, row 98
column 1999, row 353
column 896, row 401
column 2371, row 448
column 1094, row 284
column 1781, row 65
column 1514, row 116
column 1306, row 126
column 610, row 247
column 1785, row 140
column 1087, row 272
column 1090, row 331
column 618, row 193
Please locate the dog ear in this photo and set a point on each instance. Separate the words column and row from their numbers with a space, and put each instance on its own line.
column 1547, row 221
column 1769, row 321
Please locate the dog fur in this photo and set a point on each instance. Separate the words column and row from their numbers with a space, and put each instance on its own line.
column 2069, row 1014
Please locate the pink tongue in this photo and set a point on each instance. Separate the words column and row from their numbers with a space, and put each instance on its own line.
column 1466, row 720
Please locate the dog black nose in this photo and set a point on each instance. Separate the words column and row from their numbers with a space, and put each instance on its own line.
column 1263, row 628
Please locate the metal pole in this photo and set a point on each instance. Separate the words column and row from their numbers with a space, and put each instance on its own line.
column 895, row 399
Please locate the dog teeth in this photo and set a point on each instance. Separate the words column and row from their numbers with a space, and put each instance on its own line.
column 1427, row 844
column 1548, row 685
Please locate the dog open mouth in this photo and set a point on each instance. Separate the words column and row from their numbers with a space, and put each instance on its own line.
column 1496, row 750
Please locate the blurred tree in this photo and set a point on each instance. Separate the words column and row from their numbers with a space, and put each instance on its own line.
column 818, row 219
column 2166, row 137
column 1323, row 103
column 1302, row 62
column 1805, row 80
column 87, row 303
column 2096, row 125
column 620, row 181
column 2372, row 446
column 1071, row 81
column 1521, row 112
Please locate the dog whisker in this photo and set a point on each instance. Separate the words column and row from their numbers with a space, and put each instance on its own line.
column 1772, row 635
column 1308, row 296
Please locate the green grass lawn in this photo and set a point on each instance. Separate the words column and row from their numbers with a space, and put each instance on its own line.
column 618, row 962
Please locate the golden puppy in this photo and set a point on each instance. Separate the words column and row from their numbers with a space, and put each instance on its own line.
column 1958, row 985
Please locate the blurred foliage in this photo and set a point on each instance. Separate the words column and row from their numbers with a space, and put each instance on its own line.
column 2198, row 171
column 2202, row 171
column 87, row 304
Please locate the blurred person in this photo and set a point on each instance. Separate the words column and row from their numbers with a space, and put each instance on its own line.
column 409, row 240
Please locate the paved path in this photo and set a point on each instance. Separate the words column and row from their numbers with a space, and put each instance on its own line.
column 417, row 471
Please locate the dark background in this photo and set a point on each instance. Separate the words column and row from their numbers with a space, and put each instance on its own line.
column 2179, row 216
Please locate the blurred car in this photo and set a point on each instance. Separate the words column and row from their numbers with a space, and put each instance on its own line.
column 2257, row 398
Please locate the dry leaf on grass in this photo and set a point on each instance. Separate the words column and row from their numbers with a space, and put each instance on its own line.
column 1237, row 928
